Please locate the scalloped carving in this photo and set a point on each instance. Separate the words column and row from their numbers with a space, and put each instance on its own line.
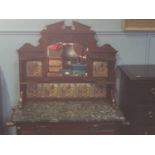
column 58, row 32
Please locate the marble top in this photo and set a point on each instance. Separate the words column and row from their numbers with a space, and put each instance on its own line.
column 58, row 111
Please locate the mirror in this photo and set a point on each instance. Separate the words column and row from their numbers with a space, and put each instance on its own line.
column 67, row 59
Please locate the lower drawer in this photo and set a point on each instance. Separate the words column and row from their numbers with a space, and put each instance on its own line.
column 68, row 128
column 142, row 114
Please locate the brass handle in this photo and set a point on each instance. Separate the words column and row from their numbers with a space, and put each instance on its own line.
column 150, row 114
column 153, row 91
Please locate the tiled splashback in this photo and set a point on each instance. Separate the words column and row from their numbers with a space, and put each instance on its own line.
column 65, row 90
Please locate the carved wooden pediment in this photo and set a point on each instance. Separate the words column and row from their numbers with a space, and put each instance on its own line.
column 76, row 33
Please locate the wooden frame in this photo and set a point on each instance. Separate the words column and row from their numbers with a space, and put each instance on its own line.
column 139, row 24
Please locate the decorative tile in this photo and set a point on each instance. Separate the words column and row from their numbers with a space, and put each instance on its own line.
column 84, row 90
column 100, row 69
column 99, row 91
column 34, row 69
column 53, row 90
column 68, row 90
column 63, row 90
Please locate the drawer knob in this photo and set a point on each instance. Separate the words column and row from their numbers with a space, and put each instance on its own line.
column 153, row 91
column 150, row 114
column 146, row 133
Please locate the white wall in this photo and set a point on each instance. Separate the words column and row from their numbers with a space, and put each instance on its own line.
column 133, row 48
column 39, row 24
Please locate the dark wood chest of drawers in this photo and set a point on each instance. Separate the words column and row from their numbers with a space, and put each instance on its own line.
column 137, row 97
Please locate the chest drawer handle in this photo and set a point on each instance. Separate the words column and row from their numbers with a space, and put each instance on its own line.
column 153, row 91
column 146, row 133
column 150, row 114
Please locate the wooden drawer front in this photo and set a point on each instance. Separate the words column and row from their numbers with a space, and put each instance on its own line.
column 145, row 115
column 143, row 91
column 67, row 128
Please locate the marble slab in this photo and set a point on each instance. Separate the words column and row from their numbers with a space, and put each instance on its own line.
column 57, row 111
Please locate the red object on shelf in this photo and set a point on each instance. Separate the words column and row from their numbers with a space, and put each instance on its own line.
column 55, row 46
